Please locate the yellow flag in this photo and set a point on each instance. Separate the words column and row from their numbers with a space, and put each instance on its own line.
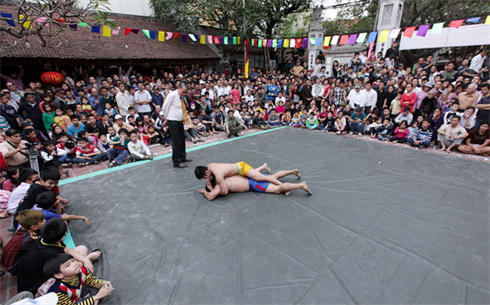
column 106, row 31
column 203, row 39
column 26, row 24
column 239, row 39
column 383, row 35
column 326, row 41
column 161, row 36
column 286, row 43
column 487, row 21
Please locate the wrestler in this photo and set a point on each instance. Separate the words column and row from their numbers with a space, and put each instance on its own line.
column 219, row 171
column 240, row 184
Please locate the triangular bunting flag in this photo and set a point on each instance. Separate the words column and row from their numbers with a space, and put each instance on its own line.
column 210, row 39
column 361, row 38
column 147, row 33
column 127, row 31
column 192, row 37
column 238, row 39
column 383, row 35
column 96, row 29
column 456, row 23
column 335, row 40
column 437, row 28
column 312, row 41
column 280, row 43
column 203, row 39
column 176, row 35
column 487, row 21
column 423, row 30
column 409, row 32
column 326, row 41
column 168, row 35
column 136, row 31
column 153, row 34
column 286, row 43
column 225, row 40
column 234, row 40
column 8, row 15
column 274, row 43
column 116, row 31
column 343, row 39
column 221, row 40
column 83, row 24
column 161, row 36
column 269, row 43
column 318, row 41
column 216, row 39
column 372, row 36
column 394, row 33
column 352, row 39
column 473, row 20
column 184, row 37
column 106, row 31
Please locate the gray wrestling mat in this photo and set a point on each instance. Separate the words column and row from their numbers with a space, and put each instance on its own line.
column 413, row 229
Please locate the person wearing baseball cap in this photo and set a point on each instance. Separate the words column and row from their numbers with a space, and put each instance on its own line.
column 357, row 121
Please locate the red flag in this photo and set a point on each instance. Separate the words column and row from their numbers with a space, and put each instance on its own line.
column 127, row 31
column 216, row 39
column 409, row 32
column 456, row 23
column 298, row 42
column 176, row 35
column 343, row 39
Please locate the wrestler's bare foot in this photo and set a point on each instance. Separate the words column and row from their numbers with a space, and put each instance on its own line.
column 297, row 173
column 93, row 256
column 267, row 168
column 305, row 187
column 287, row 193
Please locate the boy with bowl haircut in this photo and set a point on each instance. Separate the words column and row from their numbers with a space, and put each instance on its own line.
column 50, row 205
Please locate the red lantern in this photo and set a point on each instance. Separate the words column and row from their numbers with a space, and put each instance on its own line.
column 52, row 78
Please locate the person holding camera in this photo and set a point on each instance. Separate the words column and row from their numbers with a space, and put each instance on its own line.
column 14, row 149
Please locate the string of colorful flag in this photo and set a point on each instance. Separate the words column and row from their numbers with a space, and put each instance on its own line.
column 345, row 39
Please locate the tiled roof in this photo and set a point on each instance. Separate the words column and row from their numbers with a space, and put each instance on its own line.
column 83, row 44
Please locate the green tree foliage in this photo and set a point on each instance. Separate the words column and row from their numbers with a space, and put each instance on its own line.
column 261, row 16
column 361, row 16
column 295, row 25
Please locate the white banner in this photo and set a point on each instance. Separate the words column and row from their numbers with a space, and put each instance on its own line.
column 468, row 35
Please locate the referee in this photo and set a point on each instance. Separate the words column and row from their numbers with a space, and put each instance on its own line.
column 176, row 114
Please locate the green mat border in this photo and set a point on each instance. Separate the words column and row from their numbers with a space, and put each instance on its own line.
column 129, row 165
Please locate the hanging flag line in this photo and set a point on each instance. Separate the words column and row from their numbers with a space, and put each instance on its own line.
column 332, row 40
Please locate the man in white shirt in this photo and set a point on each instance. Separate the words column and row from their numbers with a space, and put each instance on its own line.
column 227, row 88
column 175, row 112
column 207, row 88
column 219, row 89
column 451, row 135
column 317, row 90
column 123, row 100
column 478, row 60
column 249, row 97
column 143, row 100
column 356, row 97
column 371, row 98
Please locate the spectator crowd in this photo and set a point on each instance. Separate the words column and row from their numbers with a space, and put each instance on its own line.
column 115, row 114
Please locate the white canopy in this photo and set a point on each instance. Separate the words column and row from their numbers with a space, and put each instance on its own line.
column 468, row 35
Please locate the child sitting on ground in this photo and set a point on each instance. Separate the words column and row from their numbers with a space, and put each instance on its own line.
column 86, row 154
column 50, row 205
column 119, row 149
column 340, row 123
column 295, row 120
column 47, row 182
column 111, row 133
column 153, row 135
column 53, row 152
column 31, row 221
column 311, row 121
column 137, row 149
column 384, row 131
column 26, row 177
column 12, row 179
column 286, row 118
column 373, row 127
column 30, row 274
column 201, row 128
column 69, row 280
column 104, row 145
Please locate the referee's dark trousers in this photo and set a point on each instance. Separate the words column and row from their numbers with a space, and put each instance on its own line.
column 176, row 129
